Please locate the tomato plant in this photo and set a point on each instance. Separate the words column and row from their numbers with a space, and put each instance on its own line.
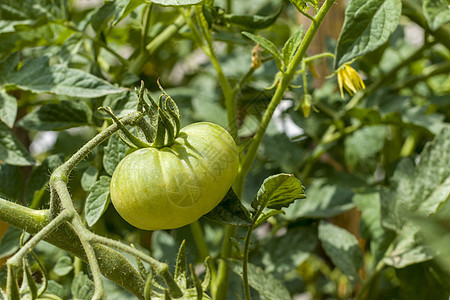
column 298, row 149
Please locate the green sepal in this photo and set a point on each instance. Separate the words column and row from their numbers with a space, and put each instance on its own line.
column 254, row 21
column 208, row 274
column 28, row 283
column 137, row 142
column 197, row 283
column 181, row 266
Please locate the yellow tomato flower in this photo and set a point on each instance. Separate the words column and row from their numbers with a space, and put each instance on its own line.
column 350, row 80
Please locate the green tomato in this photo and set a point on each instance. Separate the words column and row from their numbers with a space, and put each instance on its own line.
column 174, row 186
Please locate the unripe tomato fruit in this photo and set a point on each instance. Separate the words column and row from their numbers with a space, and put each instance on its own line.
column 175, row 185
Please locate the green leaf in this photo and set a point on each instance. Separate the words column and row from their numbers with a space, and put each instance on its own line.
column 177, row 2
column 11, row 150
column 63, row 266
column 254, row 21
column 291, row 46
column 367, row 26
column 8, row 65
column 97, row 201
column 436, row 12
column 369, row 203
column 38, row 76
column 10, row 242
column 279, row 191
column 342, row 247
column 39, row 177
column 89, row 178
column 362, row 147
column 265, row 283
column 409, row 249
column 230, row 211
column 408, row 117
column 11, row 182
column 423, row 281
column 124, row 7
column 324, row 201
column 57, row 116
column 268, row 46
column 418, row 190
column 8, row 108
column 114, row 153
column 284, row 253
column 82, row 287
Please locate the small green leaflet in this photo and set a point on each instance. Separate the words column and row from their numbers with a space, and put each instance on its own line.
column 268, row 46
column 367, row 25
column 279, row 191
column 291, row 46
column 114, row 152
column 63, row 266
column 436, row 12
column 98, row 200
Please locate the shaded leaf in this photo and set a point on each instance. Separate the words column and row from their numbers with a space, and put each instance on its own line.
column 40, row 175
column 57, row 116
column 279, row 191
column 367, row 26
column 268, row 286
column 362, row 147
column 8, row 108
column 10, row 241
column 97, row 201
column 282, row 254
column 254, row 21
column 38, row 76
column 418, row 190
column 436, row 12
column 11, row 149
column 8, row 65
column 230, row 211
column 342, row 247
column 324, row 201
column 408, row 249
column 11, row 182
column 124, row 7
column 423, row 281
column 268, row 46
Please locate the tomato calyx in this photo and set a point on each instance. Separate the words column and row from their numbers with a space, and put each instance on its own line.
column 159, row 124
